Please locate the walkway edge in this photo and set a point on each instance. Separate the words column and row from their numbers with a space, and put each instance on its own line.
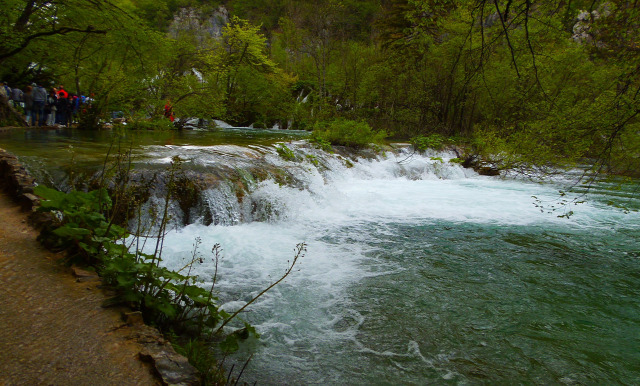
column 172, row 368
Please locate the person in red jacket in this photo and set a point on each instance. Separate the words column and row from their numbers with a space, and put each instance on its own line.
column 62, row 93
column 61, row 106
column 168, row 111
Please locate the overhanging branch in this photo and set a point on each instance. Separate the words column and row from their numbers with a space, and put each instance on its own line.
column 57, row 31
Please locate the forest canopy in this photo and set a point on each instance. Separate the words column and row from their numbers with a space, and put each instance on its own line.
column 525, row 81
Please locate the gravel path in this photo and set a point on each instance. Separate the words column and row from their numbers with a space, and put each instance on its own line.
column 52, row 328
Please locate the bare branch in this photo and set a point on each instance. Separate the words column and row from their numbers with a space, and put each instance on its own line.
column 300, row 250
column 506, row 34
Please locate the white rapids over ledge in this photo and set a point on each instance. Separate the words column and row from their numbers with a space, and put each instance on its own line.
column 340, row 212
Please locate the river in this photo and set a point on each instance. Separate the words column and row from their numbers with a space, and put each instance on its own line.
column 418, row 271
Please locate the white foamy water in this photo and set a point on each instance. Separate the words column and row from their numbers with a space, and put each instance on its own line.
column 417, row 271
column 343, row 215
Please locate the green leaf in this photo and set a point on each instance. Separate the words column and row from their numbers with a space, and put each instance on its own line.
column 230, row 343
column 251, row 330
column 74, row 233
column 53, row 196
column 162, row 305
column 212, row 321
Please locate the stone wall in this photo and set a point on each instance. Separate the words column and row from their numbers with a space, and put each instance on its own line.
column 15, row 180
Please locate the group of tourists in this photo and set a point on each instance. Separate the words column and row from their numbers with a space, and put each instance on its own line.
column 44, row 108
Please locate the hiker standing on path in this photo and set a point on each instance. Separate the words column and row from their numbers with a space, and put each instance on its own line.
column 52, row 101
column 3, row 91
column 16, row 97
column 28, row 104
column 37, row 109
column 62, row 106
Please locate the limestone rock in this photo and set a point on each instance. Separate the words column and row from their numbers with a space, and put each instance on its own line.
column 203, row 26
column 84, row 275
column 133, row 318
column 15, row 179
column 173, row 369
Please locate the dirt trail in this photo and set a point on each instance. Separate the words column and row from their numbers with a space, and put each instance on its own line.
column 52, row 328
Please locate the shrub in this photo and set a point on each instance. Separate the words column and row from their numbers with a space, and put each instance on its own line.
column 170, row 300
column 345, row 132
column 81, row 228
column 432, row 141
column 322, row 144
column 160, row 123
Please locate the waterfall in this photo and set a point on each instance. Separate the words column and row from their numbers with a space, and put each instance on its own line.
column 244, row 184
column 415, row 267
column 417, row 270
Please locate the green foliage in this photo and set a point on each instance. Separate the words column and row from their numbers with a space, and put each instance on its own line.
column 285, row 153
column 254, row 89
column 169, row 299
column 344, row 132
column 313, row 159
column 8, row 117
column 158, row 123
column 81, row 228
column 529, row 90
column 322, row 143
column 230, row 343
column 203, row 358
column 433, row 141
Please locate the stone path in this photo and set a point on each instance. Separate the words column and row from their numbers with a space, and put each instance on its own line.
column 53, row 330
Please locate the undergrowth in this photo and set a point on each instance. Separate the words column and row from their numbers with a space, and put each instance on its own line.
column 130, row 263
column 345, row 132
column 141, row 123
column 435, row 141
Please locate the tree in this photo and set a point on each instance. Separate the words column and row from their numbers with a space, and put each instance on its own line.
column 24, row 22
column 250, row 80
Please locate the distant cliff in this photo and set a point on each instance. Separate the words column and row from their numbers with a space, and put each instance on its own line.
column 201, row 25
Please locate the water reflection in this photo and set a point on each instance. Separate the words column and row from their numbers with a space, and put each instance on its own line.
column 89, row 147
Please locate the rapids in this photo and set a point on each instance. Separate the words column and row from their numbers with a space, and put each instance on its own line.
column 417, row 271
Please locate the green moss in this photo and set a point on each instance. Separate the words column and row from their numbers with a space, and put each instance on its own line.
column 285, row 153
column 313, row 159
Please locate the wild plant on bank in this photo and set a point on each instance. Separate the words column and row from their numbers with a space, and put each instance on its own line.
column 84, row 225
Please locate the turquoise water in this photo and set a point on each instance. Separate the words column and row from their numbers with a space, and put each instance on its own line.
column 417, row 272
column 425, row 273
column 501, row 304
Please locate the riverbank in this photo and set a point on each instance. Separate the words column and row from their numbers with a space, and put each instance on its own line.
column 56, row 330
